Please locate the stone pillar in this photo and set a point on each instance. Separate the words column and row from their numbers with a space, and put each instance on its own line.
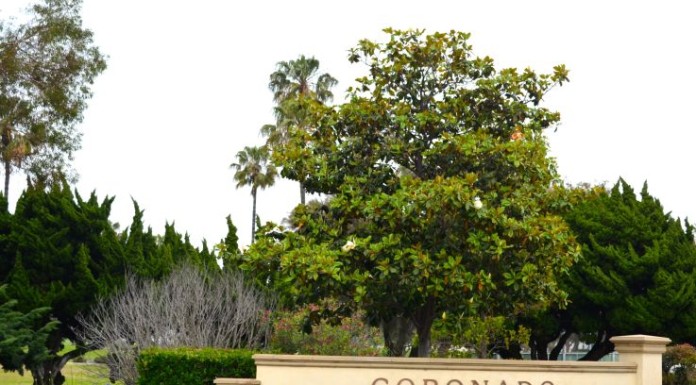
column 646, row 352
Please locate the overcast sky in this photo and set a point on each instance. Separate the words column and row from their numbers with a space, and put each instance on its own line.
column 186, row 89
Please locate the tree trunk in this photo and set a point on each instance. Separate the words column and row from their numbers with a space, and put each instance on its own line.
column 397, row 332
column 6, row 138
column 49, row 371
column 538, row 348
column 601, row 348
column 8, row 170
column 48, row 374
column 556, row 351
column 253, row 215
column 302, row 193
column 512, row 352
column 423, row 320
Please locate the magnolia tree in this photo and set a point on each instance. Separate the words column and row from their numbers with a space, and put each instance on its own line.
column 441, row 192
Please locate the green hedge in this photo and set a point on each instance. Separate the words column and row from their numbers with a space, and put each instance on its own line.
column 189, row 366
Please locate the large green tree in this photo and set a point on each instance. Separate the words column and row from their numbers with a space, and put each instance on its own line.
column 441, row 185
column 62, row 253
column 47, row 66
column 254, row 169
column 637, row 274
column 59, row 253
column 153, row 256
column 295, row 84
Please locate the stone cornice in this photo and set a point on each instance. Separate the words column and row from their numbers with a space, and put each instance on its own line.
column 443, row 364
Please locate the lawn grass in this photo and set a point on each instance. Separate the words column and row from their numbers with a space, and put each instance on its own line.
column 75, row 374
column 88, row 357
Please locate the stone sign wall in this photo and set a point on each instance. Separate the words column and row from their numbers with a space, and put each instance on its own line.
column 640, row 359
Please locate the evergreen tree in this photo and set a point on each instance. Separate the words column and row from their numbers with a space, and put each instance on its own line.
column 20, row 342
column 151, row 256
column 637, row 275
column 229, row 247
column 180, row 249
column 638, row 271
column 63, row 254
column 60, row 253
column 231, row 240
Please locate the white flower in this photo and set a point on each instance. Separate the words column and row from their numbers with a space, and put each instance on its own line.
column 350, row 245
column 275, row 230
column 478, row 205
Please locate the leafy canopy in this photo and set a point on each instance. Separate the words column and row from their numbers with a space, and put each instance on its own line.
column 47, row 66
column 440, row 189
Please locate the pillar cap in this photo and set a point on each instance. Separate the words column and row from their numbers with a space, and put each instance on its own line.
column 640, row 343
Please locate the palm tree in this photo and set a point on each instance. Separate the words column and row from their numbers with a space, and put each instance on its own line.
column 253, row 169
column 291, row 83
column 301, row 78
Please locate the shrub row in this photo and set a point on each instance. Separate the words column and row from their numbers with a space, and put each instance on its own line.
column 193, row 366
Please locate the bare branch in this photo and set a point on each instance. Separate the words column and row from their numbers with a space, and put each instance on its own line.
column 189, row 308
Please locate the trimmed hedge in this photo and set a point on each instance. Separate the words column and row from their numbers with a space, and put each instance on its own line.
column 193, row 366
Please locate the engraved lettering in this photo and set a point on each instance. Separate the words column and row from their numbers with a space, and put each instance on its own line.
column 454, row 381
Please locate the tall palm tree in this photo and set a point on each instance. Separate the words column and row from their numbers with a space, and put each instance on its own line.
column 301, row 77
column 253, row 169
column 293, row 81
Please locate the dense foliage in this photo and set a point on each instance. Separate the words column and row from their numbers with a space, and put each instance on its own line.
column 20, row 342
column 441, row 191
column 59, row 251
column 294, row 332
column 638, row 271
column 186, row 366
column 637, row 275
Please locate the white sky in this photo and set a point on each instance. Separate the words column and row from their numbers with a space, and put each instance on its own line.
column 186, row 89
